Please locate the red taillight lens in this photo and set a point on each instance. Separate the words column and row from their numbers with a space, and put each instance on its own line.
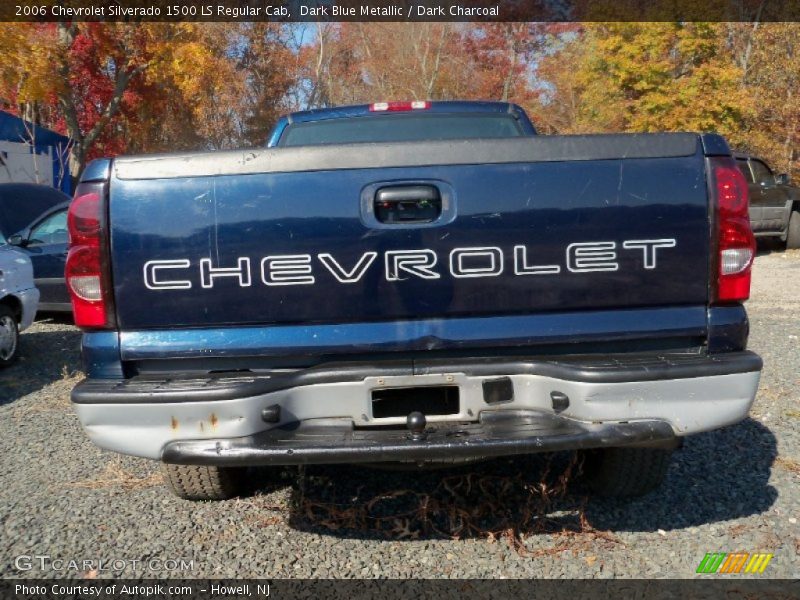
column 399, row 106
column 83, row 219
column 735, row 240
column 84, row 269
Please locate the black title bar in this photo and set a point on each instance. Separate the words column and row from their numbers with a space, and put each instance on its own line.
column 398, row 10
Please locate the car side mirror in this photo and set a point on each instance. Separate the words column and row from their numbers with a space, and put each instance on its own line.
column 17, row 240
column 782, row 179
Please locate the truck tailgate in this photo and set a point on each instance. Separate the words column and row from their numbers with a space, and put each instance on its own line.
column 293, row 236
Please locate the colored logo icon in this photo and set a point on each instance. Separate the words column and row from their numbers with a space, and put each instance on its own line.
column 736, row 562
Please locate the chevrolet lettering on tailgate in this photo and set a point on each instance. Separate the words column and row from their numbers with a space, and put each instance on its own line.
column 298, row 269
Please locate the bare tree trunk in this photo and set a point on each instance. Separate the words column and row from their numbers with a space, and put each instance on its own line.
column 30, row 140
column 791, row 131
column 437, row 61
column 512, row 50
column 66, row 36
column 321, row 90
column 748, row 51
column 63, row 154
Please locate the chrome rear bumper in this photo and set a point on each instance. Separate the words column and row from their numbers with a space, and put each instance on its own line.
column 325, row 415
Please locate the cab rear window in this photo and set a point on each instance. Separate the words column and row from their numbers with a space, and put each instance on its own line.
column 400, row 128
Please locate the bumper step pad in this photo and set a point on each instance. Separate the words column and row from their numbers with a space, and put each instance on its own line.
column 501, row 433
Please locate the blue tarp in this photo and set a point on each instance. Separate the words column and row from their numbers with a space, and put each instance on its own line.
column 13, row 129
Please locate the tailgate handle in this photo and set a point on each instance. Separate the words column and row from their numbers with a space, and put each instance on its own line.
column 408, row 204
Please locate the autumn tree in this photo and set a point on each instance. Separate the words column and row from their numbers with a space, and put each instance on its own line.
column 559, row 89
column 651, row 77
column 772, row 79
column 93, row 65
column 739, row 79
column 26, row 73
column 364, row 62
column 268, row 68
column 81, row 79
column 502, row 54
column 117, row 87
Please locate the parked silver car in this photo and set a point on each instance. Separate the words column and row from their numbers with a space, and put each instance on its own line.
column 19, row 300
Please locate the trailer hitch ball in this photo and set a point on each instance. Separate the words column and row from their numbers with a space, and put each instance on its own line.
column 416, row 423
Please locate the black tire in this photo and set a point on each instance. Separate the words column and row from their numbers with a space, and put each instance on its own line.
column 793, row 231
column 9, row 336
column 625, row 472
column 192, row 482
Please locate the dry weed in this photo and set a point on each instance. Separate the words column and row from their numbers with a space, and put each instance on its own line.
column 788, row 464
column 115, row 475
column 506, row 508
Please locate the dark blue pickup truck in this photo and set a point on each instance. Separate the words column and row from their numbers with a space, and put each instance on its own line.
column 413, row 283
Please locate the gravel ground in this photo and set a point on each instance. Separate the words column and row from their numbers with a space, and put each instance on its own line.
column 729, row 490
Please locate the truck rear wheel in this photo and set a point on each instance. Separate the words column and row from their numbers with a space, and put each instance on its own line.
column 197, row 482
column 793, row 231
column 623, row 472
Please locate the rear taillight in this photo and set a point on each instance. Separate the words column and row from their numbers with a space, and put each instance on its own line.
column 735, row 241
column 399, row 106
column 84, row 272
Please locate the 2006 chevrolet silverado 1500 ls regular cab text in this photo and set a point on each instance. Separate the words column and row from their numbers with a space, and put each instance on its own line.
column 413, row 283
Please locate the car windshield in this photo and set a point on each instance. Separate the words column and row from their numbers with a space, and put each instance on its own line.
column 401, row 128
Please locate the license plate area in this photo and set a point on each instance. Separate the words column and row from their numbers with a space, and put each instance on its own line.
column 433, row 400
